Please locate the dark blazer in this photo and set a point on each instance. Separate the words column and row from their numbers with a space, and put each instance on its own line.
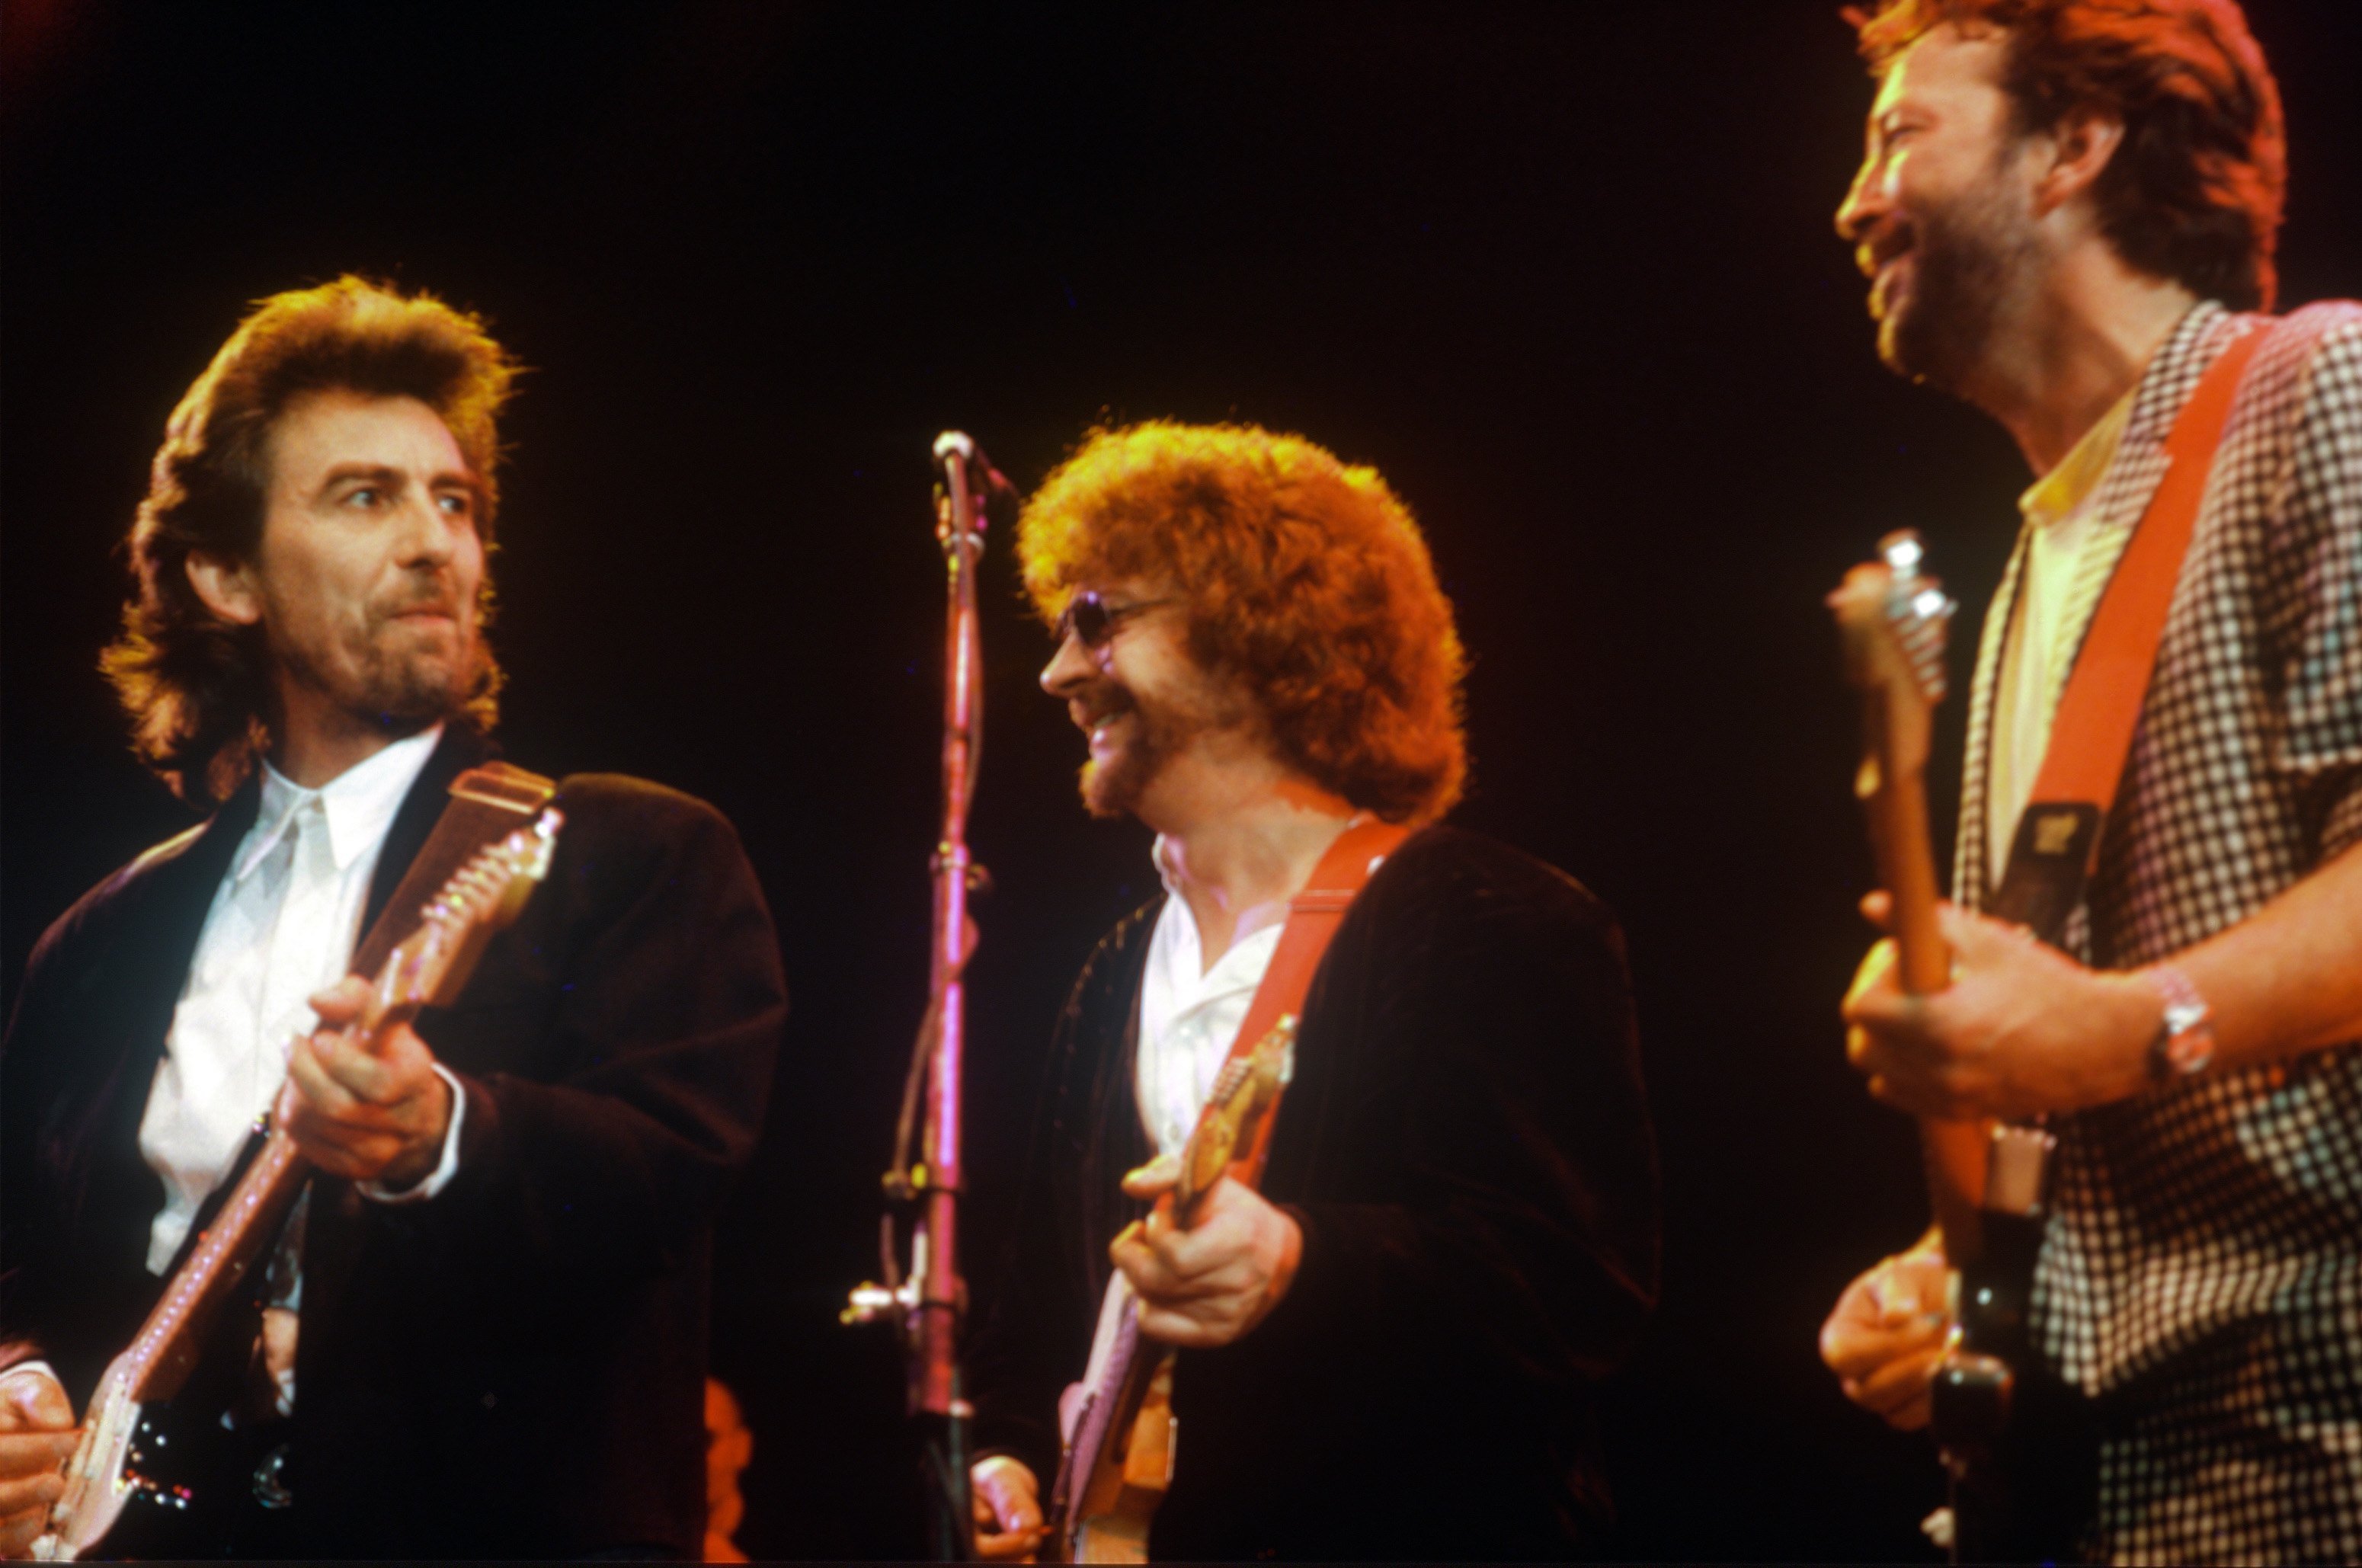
column 515, row 1367
column 1466, row 1146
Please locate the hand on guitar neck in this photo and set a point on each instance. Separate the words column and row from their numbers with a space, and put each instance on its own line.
column 1210, row 1282
column 2022, row 1028
column 365, row 1104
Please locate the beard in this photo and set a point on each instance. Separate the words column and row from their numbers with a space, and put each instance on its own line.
column 384, row 674
column 1969, row 262
column 1160, row 728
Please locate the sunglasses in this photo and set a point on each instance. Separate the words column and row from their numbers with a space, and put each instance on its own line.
column 1096, row 621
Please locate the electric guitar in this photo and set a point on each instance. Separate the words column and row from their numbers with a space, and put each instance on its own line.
column 1120, row 1436
column 2018, row 1446
column 127, row 1483
column 1891, row 622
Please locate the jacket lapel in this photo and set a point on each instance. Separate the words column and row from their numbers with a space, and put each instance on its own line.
column 459, row 749
column 1971, row 875
column 2118, row 503
column 95, row 1127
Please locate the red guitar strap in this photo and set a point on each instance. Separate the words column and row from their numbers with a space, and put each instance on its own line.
column 2057, row 836
column 1313, row 917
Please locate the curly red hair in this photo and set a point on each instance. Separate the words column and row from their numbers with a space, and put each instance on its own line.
column 1306, row 579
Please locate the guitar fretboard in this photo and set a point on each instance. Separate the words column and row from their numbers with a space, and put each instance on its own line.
column 166, row 1343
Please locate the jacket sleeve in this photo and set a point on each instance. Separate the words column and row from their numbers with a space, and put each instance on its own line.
column 75, row 1197
column 1505, row 1229
column 28, row 1239
column 2316, row 598
column 617, row 1052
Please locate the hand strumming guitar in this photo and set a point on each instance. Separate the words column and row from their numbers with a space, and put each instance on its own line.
column 1008, row 1502
column 372, row 1112
column 36, row 1438
column 1889, row 1331
column 1209, row 1284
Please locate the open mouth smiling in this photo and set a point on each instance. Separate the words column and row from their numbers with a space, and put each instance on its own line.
column 1878, row 254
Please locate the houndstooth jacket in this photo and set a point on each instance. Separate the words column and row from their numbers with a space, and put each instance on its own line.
column 2202, row 1267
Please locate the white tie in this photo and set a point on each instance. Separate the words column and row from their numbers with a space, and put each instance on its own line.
column 306, row 950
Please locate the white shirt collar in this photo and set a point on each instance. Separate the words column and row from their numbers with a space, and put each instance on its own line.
column 360, row 802
column 1181, row 979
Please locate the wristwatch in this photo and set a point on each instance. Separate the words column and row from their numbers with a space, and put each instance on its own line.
column 2184, row 1045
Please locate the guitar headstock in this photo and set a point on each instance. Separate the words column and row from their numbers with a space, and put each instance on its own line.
column 1243, row 1095
column 1894, row 621
column 482, row 897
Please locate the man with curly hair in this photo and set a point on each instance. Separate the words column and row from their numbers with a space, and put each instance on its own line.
column 1392, row 1349
column 2066, row 208
column 481, row 1332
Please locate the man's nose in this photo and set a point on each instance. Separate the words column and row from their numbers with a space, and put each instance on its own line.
column 429, row 535
column 1068, row 668
column 1865, row 203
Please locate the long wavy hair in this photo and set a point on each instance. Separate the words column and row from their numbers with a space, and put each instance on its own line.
column 197, row 688
column 2196, row 191
column 1305, row 579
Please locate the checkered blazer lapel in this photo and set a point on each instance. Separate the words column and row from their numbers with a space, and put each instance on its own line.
column 2119, row 500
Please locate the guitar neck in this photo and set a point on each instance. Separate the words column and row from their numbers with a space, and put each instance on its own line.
column 168, row 1343
column 1906, row 866
column 1955, row 1150
column 1891, row 621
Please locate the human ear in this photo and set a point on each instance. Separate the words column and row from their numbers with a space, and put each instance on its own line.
column 2080, row 146
column 226, row 587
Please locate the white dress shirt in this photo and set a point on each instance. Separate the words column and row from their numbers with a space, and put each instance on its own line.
column 281, row 926
column 1189, row 1014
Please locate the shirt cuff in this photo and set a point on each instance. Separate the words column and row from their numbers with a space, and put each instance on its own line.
column 34, row 1365
column 444, row 1168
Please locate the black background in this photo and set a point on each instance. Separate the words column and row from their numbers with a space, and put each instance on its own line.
column 1565, row 274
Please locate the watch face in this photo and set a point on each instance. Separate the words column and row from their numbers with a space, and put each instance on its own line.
column 2189, row 1041
column 2191, row 1053
column 2185, row 1045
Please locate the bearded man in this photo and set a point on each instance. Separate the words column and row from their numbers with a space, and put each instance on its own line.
column 1392, row 1348
column 2065, row 207
column 482, row 1332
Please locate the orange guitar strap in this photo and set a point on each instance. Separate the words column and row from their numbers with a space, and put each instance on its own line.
column 2057, row 836
column 1313, row 917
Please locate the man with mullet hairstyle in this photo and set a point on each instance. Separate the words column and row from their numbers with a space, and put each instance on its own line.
column 2068, row 210
column 480, row 1331
column 1392, row 1349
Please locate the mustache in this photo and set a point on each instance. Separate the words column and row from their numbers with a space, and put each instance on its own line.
column 1092, row 707
column 1882, row 245
column 431, row 595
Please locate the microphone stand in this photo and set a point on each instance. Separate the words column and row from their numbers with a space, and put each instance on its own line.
column 927, row 1304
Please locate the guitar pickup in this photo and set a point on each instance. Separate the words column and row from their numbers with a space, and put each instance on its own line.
column 2017, row 1170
